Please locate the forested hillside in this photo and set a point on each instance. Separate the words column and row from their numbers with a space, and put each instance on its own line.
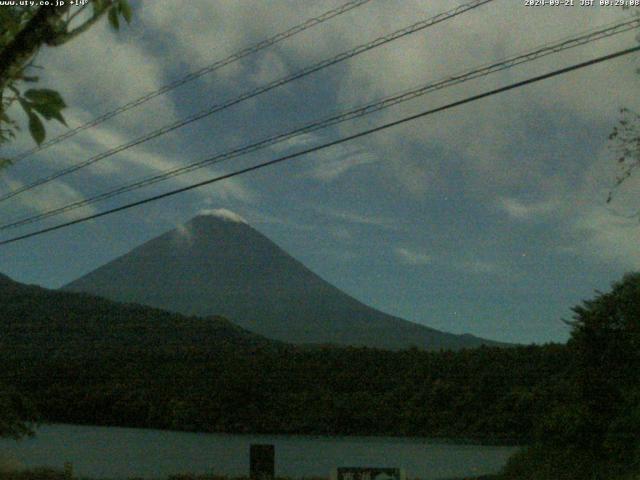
column 83, row 359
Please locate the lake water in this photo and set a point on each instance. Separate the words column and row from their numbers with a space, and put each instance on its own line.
column 107, row 452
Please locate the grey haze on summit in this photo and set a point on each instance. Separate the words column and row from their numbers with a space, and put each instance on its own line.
column 488, row 219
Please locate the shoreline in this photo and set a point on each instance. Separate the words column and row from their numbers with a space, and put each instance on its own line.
column 478, row 441
column 48, row 473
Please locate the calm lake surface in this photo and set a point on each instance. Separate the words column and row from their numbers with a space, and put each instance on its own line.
column 107, row 452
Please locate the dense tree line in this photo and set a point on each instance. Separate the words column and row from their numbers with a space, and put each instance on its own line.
column 81, row 359
column 489, row 393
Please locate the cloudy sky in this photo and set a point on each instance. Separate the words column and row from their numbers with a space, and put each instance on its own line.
column 489, row 218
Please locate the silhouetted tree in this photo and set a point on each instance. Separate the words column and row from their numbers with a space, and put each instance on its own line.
column 17, row 414
column 592, row 425
column 606, row 342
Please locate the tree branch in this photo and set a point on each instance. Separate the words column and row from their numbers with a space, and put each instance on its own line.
column 63, row 37
column 76, row 13
column 38, row 30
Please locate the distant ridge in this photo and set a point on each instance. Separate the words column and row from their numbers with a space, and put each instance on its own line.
column 217, row 264
column 5, row 280
column 35, row 321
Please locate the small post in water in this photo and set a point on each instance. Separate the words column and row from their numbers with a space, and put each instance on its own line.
column 262, row 462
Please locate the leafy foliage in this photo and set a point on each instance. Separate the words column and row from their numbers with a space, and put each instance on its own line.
column 33, row 474
column 625, row 137
column 593, row 431
column 625, row 143
column 18, row 414
column 23, row 31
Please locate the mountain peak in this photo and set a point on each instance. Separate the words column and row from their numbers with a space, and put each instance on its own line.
column 216, row 264
column 222, row 214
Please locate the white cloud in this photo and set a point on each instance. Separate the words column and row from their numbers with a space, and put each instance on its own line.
column 486, row 134
column 257, row 216
column 341, row 233
column 184, row 233
column 483, row 135
column 352, row 217
column 102, row 70
column 408, row 256
column 42, row 199
column 519, row 210
column 223, row 214
column 480, row 267
column 327, row 168
column 139, row 162
column 207, row 32
column 300, row 141
column 608, row 237
column 270, row 67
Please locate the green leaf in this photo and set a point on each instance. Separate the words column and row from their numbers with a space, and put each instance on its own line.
column 45, row 96
column 8, row 20
column 98, row 6
column 5, row 162
column 125, row 10
column 26, row 106
column 113, row 19
column 36, row 128
column 49, row 111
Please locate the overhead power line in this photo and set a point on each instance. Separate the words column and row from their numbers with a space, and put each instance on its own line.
column 253, row 93
column 370, row 131
column 592, row 35
column 312, row 22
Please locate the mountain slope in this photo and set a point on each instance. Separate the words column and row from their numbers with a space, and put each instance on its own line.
column 217, row 264
column 46, row 323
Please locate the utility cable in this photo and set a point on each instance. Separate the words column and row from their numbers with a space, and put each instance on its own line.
column 539, row 52
column 312, row 22
column 327, row 145
column 253, row 93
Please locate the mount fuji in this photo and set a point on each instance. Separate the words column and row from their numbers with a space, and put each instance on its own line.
column 217, row 264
